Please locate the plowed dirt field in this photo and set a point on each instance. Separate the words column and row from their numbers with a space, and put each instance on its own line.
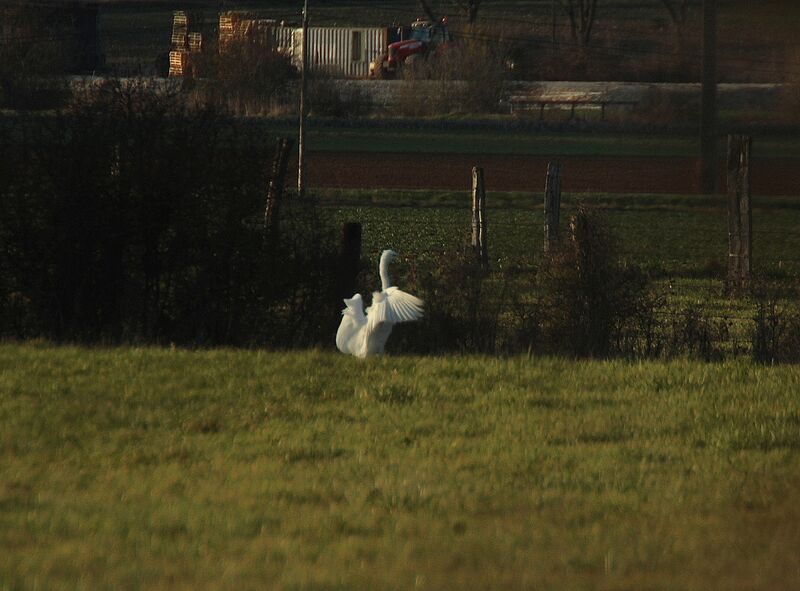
column 365, row 170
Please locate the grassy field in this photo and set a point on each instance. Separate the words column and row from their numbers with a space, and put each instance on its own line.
column 171, row 469
column 500, row 141
column 670, row 235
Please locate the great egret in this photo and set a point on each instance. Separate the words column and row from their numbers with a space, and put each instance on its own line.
column 362, row 334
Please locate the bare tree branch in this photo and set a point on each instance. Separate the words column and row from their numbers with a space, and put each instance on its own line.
column 582, row 14
column 678, row 11
column 426, row 8
column 470, row 9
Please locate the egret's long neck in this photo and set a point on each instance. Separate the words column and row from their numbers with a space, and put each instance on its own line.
column 386, row 281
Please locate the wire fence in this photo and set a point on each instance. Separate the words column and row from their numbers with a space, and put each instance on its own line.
column 685, row 236
column 683, row 251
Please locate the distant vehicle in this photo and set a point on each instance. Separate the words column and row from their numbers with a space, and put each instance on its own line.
column 423, row 38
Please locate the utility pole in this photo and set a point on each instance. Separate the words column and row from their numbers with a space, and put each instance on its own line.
column 554, row 25
column 708, row 117
column 301, row 140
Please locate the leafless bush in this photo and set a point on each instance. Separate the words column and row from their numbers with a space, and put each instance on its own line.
column 247, row 77
column 592, row 302
column 34, row 58
column 666, row 107
column 331, row 99
column 776, row 331
column 459, row 78
column 693, row 332
column 463, row 303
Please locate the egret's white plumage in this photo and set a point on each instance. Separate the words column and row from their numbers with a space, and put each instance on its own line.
column 362, row 334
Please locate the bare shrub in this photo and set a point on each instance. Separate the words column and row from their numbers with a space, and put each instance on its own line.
column 462, row 78
column 463, row 306
column 248, row 77
column 592, row 302
column 34, row 57
column 692, row 332
column 776, row 331
column 665, row 107
column 330, row 97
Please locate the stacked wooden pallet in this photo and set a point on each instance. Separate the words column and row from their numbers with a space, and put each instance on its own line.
column 227, row 28
column 180, row 33
column 184, row 44
column 180, row 29
column 195, row 42
column 177, row 63
column 265, row 34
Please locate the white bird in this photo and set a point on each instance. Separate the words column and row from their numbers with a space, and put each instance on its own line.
column 363, row 334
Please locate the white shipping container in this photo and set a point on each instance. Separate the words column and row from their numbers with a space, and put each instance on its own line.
column 340, row 51
column 282, row 37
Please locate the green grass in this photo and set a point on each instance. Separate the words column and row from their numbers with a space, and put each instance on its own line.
column 671, row 235
column 171, row 469
column 432, row 141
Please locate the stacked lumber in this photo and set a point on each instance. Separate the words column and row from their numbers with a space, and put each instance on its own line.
column 267, row 34
column 180, row 30
column 195, row 42
column 177, row 63
column 184, row 44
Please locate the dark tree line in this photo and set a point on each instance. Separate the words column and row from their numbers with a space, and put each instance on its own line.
column 134, row 216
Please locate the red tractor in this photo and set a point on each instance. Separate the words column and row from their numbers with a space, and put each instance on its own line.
column 416, row 42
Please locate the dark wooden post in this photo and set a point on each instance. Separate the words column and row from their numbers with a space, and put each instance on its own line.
column 552, row 204
column 479, row 225
column 349, row 258
column 276, row 183
column 115, row 160
column 740, row 219
column 745, row 211
column 301, row 138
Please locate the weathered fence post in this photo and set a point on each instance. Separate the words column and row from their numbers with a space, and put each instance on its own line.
column 115, row 160
column 349, row 258
column 740, row 219
column 552, row 204
column 479, row 226
column 276, row 184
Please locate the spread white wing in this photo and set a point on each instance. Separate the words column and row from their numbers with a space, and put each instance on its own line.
column 388, row 308
column 393, row 306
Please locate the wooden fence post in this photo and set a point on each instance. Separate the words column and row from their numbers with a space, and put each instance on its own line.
column 116, row 160
column 479, row 225
column 552, row 204
column 349, row 258
column 745, row 211
column 739, row 213
column 276, row 184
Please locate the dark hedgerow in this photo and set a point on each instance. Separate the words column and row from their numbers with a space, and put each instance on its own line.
column 127, row 218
